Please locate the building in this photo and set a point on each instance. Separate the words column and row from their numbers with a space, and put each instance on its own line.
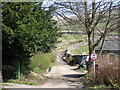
column 110, row 46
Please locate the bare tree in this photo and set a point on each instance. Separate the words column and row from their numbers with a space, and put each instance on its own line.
column 90, row 15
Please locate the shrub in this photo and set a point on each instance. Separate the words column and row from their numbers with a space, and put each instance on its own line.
column 37, row 70
column 51, row 56
column 108, row 71
column 41, row 61
column 9, row 72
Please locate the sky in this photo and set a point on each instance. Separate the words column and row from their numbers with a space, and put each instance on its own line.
column 47, row 3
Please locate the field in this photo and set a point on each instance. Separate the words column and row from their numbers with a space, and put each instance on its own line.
column 65, row 38
column 80, row 50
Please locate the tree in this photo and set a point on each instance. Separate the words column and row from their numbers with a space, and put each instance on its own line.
column 89, row 15
column 27, row 29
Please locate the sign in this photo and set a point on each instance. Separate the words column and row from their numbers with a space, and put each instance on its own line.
column 93, row 56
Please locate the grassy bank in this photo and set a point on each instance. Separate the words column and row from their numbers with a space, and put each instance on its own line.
column 40, row 62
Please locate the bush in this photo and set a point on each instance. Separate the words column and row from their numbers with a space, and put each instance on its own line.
column 40, row 62
column 37, row 70
column 108, row 70
column 107, row 73
column 9, row 72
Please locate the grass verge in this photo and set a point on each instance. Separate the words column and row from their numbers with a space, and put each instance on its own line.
column 101, row 87
column 4, row 84
column 21, row 82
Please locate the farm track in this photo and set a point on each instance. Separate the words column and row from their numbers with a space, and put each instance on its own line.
column 60, row 76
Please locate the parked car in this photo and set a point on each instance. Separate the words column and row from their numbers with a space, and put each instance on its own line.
column 84, row 61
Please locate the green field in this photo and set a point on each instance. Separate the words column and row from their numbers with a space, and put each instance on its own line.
column 66, row 38
column 80, row 50
column 72, row 38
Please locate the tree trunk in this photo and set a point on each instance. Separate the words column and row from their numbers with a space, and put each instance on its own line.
column 91, row 50
column 101, row 47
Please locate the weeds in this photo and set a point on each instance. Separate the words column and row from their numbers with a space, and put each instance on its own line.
column 108, row 71
column 86, row 80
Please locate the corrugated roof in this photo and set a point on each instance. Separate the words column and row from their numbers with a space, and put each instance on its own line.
column 110, row 45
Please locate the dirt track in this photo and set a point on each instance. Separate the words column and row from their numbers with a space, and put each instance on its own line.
column 62, row 75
